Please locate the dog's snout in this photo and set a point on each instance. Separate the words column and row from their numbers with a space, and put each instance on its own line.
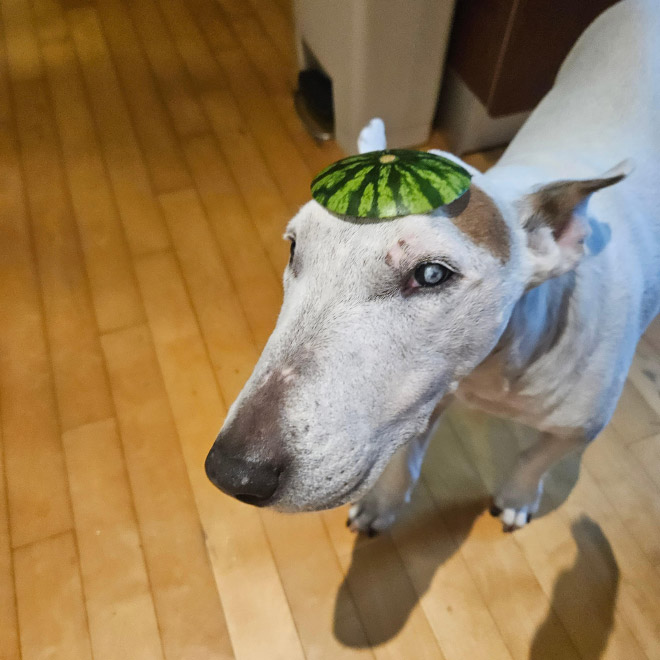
column 252, row 482
column 248, row 458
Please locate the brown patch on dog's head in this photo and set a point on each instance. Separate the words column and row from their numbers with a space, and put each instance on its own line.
column 476, row 215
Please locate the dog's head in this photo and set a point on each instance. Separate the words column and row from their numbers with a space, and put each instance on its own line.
column 379, row 322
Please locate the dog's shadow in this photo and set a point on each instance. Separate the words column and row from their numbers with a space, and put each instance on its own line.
column 388, row 574
column 589, row 586
column 384, row 590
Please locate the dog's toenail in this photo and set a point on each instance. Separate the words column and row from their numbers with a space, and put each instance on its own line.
column 371, row 532
column 529, row 517
column 495, row 511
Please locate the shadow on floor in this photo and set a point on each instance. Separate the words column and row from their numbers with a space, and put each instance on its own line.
column 390, row 573
column 584, row 595
column 384, row 591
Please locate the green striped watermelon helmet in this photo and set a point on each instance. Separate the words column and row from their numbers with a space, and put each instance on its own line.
column 383, row 185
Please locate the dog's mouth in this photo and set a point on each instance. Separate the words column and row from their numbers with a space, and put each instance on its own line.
column 350, row 492
column 253, row 500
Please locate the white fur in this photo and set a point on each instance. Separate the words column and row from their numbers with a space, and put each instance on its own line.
column 368, row 365
column 372, row 137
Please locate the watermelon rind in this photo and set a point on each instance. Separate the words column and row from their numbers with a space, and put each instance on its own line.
column 383, row 185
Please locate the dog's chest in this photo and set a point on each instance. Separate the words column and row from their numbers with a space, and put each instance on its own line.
column 487, row 384
column 490, row 389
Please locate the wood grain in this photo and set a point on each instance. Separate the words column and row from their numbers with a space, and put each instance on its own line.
column 150, row 158
column 122, row 620
column 51, row 609
column 37, row 489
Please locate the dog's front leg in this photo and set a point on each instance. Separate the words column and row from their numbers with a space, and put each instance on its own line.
column 519, row 498
column 378, row 509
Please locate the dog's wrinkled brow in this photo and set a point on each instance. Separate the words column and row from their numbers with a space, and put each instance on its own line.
column 396, row 254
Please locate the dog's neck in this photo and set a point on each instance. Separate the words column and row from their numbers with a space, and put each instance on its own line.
column 537, row 323
column 539, row 318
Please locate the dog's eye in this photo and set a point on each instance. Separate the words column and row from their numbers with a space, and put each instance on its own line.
column 292, row 250
column 431, row 274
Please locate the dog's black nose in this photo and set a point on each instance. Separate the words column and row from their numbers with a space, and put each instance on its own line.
column 252, row 482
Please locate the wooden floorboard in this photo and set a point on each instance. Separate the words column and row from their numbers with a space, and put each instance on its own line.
column 51, row 609
column 127, row 166
column 188, row 607
column 636, row 579
column 169, row 71
column 122, row 618
column 114, row 291
column 152, row 124
column 8, row 620
column 258, row 616
column 220, row 317
column 37, row 488
column 150, row 158
column 258, row 285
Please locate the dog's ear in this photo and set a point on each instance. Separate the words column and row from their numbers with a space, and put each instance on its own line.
column 554, row 219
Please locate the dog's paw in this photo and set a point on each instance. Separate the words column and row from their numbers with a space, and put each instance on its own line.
column 512, row 519
column 515, row 508
column 369, row 517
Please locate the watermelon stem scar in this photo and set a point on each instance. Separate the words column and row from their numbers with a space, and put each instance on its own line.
column 384, row 185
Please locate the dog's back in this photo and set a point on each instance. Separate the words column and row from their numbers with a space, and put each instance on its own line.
column 601, row 111
column 603, row 106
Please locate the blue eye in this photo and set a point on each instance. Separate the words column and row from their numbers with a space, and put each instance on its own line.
column 432, row 274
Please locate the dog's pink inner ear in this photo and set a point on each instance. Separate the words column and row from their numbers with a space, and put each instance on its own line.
column 556, row 228
column 554, row 205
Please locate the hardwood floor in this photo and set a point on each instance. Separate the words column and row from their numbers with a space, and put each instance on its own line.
column 150, row 157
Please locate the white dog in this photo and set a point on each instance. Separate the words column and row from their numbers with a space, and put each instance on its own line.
column 526, row 300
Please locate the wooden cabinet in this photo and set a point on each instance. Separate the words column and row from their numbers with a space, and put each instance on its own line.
column 507, row 52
